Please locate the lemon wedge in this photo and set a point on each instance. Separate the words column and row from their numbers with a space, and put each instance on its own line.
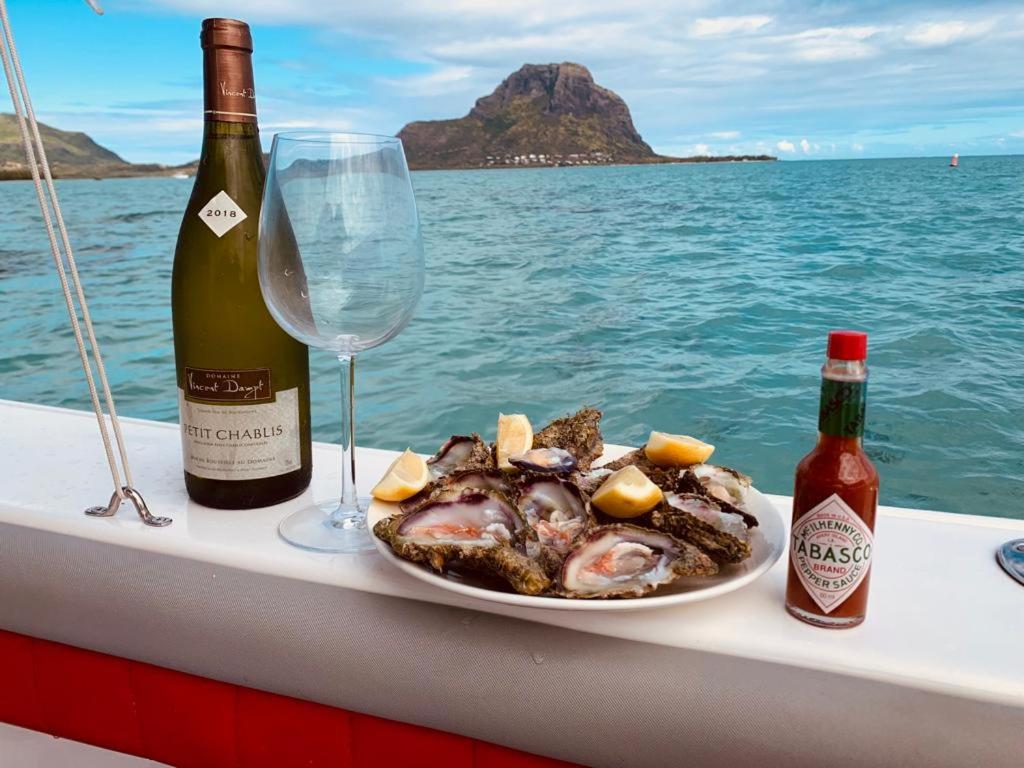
column 407, row 476
column 627, row 493
column 515, row 436
column 667, row 450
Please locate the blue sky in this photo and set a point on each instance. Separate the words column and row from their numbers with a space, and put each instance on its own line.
column 800, row 79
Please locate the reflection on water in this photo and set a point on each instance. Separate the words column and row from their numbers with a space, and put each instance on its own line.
column 686, row 298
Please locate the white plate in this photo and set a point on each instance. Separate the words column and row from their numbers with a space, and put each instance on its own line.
column 767, row 541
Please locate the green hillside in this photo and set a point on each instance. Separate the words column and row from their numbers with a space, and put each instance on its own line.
column 63, row 148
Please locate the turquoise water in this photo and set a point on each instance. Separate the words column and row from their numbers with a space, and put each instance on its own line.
column 691, row 298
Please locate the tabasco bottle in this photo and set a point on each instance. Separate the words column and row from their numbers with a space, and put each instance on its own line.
column 835, row 498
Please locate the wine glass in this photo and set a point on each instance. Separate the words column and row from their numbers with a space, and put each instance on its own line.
column 341, row 269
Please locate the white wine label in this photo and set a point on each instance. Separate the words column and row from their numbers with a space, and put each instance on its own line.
column 222, row 213
column 831, row 551
column 247, row 440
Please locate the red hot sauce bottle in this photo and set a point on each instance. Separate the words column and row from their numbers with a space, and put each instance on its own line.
column 835, row 498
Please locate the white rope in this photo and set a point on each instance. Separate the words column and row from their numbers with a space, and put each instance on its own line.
column 35, row 155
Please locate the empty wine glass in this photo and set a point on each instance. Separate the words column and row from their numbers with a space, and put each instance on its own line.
column 341, row 269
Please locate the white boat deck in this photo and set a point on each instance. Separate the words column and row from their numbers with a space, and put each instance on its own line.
column 941, row 648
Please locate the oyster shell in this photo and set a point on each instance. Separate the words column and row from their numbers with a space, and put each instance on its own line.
column 726, row 485
column 628, row 561
column 705, row 522
column 473, row 529
column 558, row 514
column 461, row 480
column 579, row 434
column 588, row 482
column 461, row 452
column 556, row 461
column 664, row 478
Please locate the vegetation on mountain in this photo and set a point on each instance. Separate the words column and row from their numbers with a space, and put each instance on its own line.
column 541, row 114
column 71, row 154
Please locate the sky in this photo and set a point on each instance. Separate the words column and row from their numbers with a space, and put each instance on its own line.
column 799, row 79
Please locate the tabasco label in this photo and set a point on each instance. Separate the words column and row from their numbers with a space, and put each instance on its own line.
column 831, row 552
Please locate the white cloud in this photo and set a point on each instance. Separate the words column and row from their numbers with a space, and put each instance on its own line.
column 701, row 149
column 438, row 81
column 833, row 43
column 686, row 68
column 785, row 146
column 547, row 45
column 857, row 147
column 1017, row 134
column 728, row 25
column 946, row 32
column 805, row 145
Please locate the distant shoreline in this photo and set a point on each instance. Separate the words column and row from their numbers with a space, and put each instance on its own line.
column 100, row 172
column 539, row 167
column 638, row 161
column 154, row 171
column 147, row 170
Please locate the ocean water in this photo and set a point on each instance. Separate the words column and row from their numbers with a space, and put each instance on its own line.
column 689, row 298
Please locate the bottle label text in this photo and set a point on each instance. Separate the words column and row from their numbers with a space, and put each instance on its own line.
column 830, row 547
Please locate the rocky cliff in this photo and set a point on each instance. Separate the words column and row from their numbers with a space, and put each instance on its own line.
column 542, row 114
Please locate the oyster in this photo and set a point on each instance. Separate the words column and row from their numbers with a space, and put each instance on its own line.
column 473, row 529
column 726, row 485
column 663, row 478
column 461, row 452
column 589, row 482
column 558, row 514
column 461, row 480
column 557, row 461
column 704, row 521
column 579, row 434
column 628, row 561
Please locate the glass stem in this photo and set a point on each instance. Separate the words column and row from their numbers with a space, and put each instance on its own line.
column 349, row 501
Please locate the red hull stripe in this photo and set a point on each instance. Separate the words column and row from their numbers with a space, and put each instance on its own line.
column 194, row 722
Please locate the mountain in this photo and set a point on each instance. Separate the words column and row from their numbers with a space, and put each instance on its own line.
column 549, row 110
column 70, row 153
column 62, row 147
column 541, row 114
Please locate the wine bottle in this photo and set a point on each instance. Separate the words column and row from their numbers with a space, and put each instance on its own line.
column 243, row 383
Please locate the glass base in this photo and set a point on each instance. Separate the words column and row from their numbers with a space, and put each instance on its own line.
column 328, row 527
column 827, row 622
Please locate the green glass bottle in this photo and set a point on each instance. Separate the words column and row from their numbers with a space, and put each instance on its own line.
column 243, row 383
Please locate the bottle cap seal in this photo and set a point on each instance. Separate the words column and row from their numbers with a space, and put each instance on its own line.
column 226, row 33
column 847, row 345
column 229, row 94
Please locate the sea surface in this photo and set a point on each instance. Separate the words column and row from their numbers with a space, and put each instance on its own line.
column 687, row 298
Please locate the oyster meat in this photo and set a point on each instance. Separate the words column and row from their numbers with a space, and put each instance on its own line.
column 579, row 434
column 556, row 461
column 461, row 452
column 473, row 529
column 628, row 561
column 558, row 514
column 726, row 485
column 704, row 521
column 461, row 480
